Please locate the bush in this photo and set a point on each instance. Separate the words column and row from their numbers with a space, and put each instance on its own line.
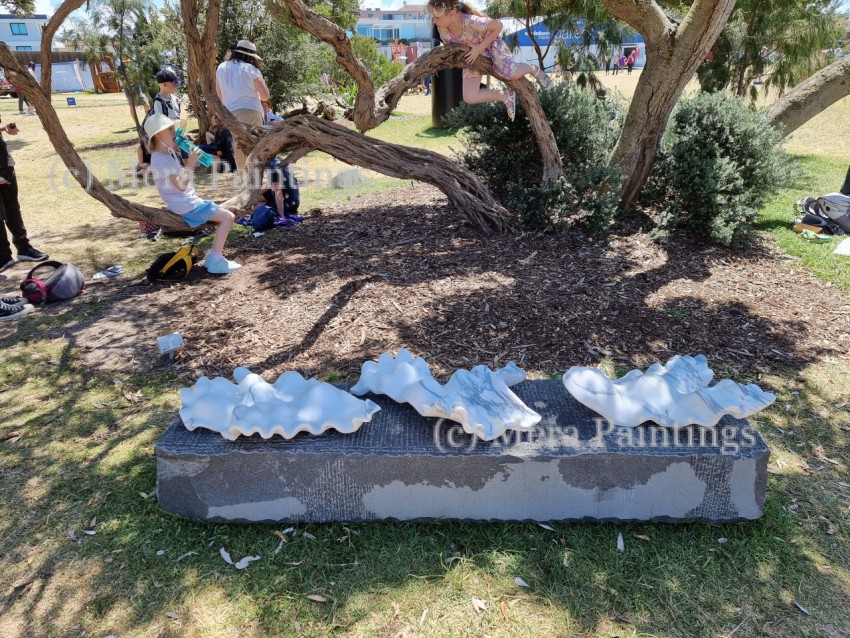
column 718, row 163
column 505, row 156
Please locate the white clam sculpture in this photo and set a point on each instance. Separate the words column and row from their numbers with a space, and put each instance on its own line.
column 479, row 399
column 672, row 395
column 291, row 405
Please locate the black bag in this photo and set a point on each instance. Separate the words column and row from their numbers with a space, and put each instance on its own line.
column 142, row 134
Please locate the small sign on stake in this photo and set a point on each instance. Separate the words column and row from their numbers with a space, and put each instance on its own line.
column 72, row 101
column 169, row 343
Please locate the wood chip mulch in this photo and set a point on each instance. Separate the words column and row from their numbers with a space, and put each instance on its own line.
column 399, row 269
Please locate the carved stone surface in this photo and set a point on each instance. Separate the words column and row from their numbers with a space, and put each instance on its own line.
column 403, row 466
column 291, row 405
column 479, row 399
column 675, row 394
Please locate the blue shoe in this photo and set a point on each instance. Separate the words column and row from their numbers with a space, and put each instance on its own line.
column 220, row 266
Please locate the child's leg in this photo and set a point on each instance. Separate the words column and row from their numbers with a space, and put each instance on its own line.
column 474, row 94
column 224, row 220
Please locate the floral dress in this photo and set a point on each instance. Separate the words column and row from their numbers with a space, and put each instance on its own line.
column 473, row 33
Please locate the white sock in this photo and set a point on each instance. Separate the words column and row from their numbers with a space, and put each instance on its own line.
column 214, row 255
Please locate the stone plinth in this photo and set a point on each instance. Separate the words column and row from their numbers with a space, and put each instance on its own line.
column 572, row 467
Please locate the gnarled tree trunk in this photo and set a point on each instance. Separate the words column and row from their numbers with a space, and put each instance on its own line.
column 811, row 96
column 673, row 54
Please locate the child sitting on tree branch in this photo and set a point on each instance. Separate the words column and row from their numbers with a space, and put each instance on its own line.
column 174, row 183
column 460, row 23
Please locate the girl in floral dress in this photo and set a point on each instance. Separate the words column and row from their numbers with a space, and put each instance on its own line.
column 459, row 23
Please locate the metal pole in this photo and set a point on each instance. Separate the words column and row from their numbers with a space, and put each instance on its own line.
column 446, row 88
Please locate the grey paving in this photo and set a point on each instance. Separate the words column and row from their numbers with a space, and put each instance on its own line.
column 402, row 466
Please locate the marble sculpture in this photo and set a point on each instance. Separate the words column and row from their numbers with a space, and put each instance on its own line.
column 673, row 395
column 479, row 399
column 291, row 405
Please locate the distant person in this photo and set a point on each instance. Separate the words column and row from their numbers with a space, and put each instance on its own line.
column 607, row 60
column 10, row 210
column 240, row 85
column 622, row 61
column 427, row 85
column 630, row 61
column 174, row 183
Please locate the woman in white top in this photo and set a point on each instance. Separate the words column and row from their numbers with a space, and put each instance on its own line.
column 240, row 86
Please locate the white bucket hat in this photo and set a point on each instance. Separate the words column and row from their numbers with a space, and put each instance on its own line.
column 246, row 47
column 156, row 123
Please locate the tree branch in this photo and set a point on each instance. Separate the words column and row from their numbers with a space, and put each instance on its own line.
column 464, row 190
column 811, row 97
column 644, row 16
column 117, row 205
column 56, row 20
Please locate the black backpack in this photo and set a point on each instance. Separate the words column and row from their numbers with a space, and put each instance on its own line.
column 165, row 107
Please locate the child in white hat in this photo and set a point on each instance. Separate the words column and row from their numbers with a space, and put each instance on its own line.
column 174, row 183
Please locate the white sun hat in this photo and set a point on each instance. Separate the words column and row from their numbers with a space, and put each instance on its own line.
column 246, row 47
column 156, row 123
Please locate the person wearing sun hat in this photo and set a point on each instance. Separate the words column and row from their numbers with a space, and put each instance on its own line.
column 174, row 183
column 242, row 89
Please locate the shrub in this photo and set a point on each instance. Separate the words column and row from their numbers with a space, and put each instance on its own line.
column 718, row 163
column 505, row 156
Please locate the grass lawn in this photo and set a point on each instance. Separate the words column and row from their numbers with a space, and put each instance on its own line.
column 85, row 549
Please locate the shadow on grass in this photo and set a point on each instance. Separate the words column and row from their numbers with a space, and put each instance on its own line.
column 87, row 442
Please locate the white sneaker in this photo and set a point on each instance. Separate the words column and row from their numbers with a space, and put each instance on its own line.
column 220, row 266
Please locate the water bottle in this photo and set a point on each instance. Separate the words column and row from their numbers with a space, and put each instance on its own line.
column 186, row 146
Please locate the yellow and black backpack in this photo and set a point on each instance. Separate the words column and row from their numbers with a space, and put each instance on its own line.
column 174, row 266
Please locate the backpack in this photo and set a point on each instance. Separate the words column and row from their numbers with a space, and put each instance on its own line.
column 174, row 266
column 65, row 282
column 816, row 219
column 836, row 207
column 142, row 134
column 263, row 217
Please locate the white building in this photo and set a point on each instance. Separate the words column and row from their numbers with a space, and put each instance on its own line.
column 22, row 34
column 412, row 23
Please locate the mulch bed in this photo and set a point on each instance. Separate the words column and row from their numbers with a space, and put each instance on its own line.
column 400, row 269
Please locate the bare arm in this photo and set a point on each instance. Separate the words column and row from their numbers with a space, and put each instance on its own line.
column 262, row 89
column 494, row 28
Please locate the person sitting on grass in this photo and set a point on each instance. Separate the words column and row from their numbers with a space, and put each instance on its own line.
column 220, row 146
column 174, row 183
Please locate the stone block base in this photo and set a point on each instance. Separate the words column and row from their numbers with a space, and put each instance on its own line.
column 572, row 467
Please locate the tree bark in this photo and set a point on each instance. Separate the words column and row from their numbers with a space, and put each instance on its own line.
column 56, row 20
column 811, row 96
column 673, row 54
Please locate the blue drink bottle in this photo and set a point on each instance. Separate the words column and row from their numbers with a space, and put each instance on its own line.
column 186, row 146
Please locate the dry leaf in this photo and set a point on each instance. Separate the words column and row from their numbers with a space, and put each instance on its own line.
column 478, row 605
column 280, row 535
column 160, row 552
column 225, row 556
column 519, row 581
column 14, row 439
column 72, row 535
column 544, row 526
column 422, row 618
column 566, row 559
column 288, row 530
column 642, row 537
column 308, row 536
column 504, row 608
column 801, row 608
column 317, row 598
column 172, row 614
column 185, row 555
column 621, row 546
column 297, row 626
column 242, row 564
